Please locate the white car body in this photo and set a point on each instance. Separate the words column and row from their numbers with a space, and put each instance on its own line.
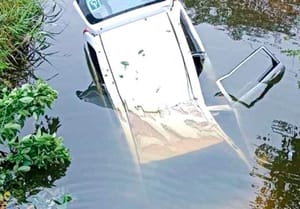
column 149, row 60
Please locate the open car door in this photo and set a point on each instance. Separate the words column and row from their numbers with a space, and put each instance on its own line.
column 250, row 81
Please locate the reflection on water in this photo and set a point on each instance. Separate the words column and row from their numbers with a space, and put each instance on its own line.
column 248, row 17
column 32, row 186
column 278, row 168
column 49, row 125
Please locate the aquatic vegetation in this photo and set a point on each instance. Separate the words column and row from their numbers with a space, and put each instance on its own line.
column 240, row 17
column 278, row 168
column 33, row 162
column 30, row 162
column 22, row 40
column 293, row 53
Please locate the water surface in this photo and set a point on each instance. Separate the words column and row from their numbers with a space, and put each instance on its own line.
column 103, row 173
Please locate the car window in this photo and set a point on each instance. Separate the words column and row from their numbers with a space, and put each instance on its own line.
column 98, row 10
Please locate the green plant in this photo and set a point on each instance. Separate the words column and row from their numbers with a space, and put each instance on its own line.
column 277, row 168
column 21, row 103
column 27, row 163
column 40, row 150
column 22, row 40
column 38, row 159
column 63, row 201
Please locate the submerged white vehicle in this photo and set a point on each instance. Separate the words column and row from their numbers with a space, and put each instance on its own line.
column 147, row 57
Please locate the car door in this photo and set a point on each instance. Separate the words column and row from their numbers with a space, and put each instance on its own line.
column 252, row 79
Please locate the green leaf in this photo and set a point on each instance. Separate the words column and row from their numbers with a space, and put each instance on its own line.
column 62, row 203
column 125, row 63
column 26, row 100
column 12, row 126
column 67, row 198
column 15, row 168
column 38, row 133
column 35, row 116
column 24, row 168
column 26, row 138
column 25, row 150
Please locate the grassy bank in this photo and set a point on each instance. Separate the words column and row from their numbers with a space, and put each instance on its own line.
column 21, row 39
column 27, row 163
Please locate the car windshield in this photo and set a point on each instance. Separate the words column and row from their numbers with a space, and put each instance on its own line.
column 98, row 10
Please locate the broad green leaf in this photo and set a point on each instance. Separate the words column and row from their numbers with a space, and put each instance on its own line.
column 26, row 150
column 67, row 198
column 12, row 126
column 26, row 138
column 26, row 100
column 24, row 168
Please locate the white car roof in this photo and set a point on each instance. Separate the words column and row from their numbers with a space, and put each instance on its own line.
column 147, row 63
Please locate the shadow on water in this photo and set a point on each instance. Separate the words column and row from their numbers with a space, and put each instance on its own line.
column 92, row 95
column 278, row 168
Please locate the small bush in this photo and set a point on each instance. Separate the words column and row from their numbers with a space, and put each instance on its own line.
column 30, row 162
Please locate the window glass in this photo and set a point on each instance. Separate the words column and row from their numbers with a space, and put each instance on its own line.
column 98, row 10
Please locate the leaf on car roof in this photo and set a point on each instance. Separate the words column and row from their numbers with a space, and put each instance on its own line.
column 125, row 63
